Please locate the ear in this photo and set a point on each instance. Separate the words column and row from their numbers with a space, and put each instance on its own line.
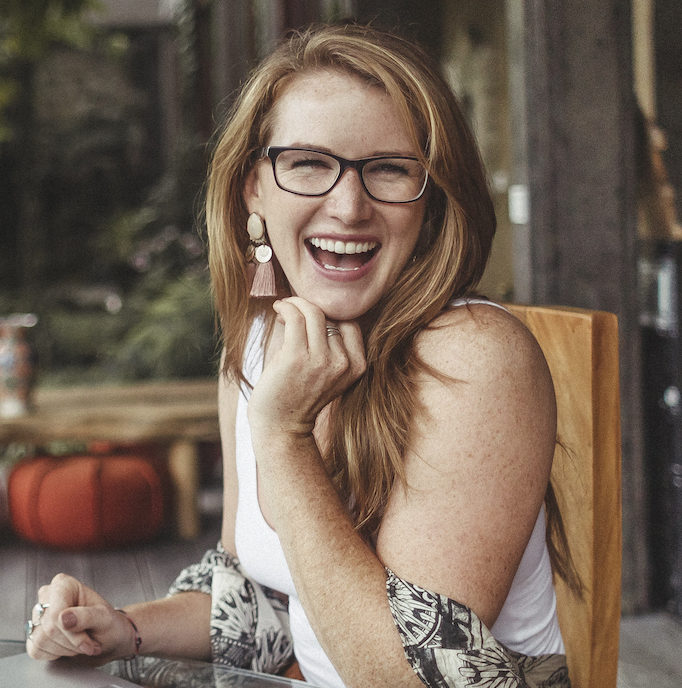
column 252, row 193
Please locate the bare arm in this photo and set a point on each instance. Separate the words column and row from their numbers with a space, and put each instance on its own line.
column 479, row 461
column 461, row 528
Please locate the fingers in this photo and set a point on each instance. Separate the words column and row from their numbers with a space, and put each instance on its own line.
column 63, row 627
column 354, row 344
column 79, row 624
column 61, row 637
column 307, row 329
column 302, row 324
column 306, row 326
column 305, row 320
column 65, row 635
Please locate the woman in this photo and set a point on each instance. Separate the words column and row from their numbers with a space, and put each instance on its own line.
column 385, row 434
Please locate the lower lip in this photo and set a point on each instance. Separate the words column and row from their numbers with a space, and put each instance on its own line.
column 339, row 275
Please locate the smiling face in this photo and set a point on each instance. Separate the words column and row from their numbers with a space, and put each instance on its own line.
column 342, row 251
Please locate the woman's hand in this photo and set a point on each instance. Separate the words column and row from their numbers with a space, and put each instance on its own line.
column 316, row 362
column 78, row 621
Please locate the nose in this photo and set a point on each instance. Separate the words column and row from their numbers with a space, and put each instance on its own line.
column 349, row 200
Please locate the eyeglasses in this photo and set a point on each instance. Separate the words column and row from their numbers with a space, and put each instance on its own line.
column 306, row 172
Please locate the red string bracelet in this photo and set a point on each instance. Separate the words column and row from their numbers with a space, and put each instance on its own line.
column 138, row 639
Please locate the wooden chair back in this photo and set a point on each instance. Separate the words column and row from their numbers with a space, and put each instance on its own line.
column 581, row 348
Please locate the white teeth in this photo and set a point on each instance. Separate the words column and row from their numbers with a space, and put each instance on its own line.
column 343, row 247
column 340, row 269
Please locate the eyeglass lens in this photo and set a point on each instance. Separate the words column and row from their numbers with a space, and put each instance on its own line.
column 311, row 173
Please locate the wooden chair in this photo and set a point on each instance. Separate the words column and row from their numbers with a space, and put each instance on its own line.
column 581, row 348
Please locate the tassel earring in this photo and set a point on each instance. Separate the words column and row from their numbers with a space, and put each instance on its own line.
column 259, row 254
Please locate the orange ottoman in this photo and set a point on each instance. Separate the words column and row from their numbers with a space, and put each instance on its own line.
column 88, row 502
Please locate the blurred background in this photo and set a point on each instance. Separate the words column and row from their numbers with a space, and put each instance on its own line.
column 108, row 107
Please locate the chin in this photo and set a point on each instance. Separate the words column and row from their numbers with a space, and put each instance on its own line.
column 341, row 312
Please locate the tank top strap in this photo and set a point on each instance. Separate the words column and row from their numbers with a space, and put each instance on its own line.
column 475, row 300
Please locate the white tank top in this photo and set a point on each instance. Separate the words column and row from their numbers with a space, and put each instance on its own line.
column 527, row 622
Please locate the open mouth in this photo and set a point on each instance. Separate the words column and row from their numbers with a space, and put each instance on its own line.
column 345, row 256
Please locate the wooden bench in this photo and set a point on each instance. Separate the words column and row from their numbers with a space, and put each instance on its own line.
column 179, row 413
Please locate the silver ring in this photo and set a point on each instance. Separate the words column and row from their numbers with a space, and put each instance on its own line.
column 39, row 609
column 333, row 331
column 30, row 627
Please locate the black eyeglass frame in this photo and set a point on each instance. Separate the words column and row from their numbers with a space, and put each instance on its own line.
column 273, row 152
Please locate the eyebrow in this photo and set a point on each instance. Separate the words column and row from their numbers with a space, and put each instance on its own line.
column 325, row 149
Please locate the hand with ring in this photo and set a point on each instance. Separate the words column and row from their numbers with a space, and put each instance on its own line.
column 311, row 361
column 70, row 619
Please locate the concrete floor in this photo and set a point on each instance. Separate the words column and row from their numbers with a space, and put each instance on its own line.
column 650, row 652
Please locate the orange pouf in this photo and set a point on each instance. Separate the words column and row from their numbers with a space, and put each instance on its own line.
column 88, row 502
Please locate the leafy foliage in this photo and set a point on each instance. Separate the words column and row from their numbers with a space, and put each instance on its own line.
column 169, row 305
column 106, row 249
column 28, row 29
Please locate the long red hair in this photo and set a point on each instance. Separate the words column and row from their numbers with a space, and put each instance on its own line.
column 369, row 424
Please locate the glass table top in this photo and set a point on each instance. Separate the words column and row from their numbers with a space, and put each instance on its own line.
column 152, row 672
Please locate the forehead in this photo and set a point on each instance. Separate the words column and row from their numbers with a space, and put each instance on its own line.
column 333, row 108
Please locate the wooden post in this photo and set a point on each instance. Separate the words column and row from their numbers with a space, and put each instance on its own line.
column 183, row 463
column 574, row 61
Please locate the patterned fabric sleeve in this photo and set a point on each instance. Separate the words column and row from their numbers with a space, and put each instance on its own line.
column 249, row 622
column 448, row 646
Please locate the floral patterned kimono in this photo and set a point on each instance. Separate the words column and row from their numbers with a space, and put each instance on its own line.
column 446, row 644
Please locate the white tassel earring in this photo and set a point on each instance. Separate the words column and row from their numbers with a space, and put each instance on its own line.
column 259, row 254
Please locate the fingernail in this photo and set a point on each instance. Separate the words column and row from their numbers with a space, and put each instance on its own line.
column 69, row 620
column 86, row 649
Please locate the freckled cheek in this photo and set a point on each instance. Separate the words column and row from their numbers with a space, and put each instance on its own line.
column 285, row 235
column 406, row 248
column 410, row 226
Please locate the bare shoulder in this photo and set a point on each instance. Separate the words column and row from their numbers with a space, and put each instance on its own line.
column 481, row 340
column 490, row 370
